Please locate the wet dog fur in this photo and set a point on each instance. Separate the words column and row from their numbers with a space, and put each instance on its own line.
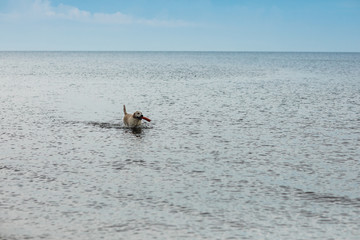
column 132, row 120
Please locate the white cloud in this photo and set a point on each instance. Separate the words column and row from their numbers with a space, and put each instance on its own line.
column 69, row 12
column 38, row 10
column 114, row 18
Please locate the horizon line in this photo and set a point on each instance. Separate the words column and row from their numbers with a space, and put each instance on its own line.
column 189, row 51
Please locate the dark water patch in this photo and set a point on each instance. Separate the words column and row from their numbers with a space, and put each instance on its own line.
column 329, row 199
column 106, row 125
column 127, row 163
column 320, row 197
column 138, row 131
column 31, row 175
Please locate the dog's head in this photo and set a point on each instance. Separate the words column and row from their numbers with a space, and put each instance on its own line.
column 138, row 115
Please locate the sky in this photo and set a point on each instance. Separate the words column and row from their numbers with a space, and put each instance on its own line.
column 180, row 25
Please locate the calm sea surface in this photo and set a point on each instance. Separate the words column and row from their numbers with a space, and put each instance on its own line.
column 241, row 145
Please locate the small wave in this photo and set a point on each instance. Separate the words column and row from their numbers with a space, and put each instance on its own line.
column 324, row 198
column 330, row 199
column 107, row 125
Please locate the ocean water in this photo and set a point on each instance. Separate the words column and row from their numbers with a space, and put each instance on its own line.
column 241, row 145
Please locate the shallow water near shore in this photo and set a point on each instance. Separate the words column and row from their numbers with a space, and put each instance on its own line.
column 240, row 146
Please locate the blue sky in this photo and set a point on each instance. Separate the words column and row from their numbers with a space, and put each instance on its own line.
column 180, row 25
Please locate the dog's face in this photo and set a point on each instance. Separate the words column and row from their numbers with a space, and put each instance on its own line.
column 138, row 115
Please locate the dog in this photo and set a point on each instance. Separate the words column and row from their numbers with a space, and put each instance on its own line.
column 133, row 120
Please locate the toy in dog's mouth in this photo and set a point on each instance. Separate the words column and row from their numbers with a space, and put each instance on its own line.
column 145, row 118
